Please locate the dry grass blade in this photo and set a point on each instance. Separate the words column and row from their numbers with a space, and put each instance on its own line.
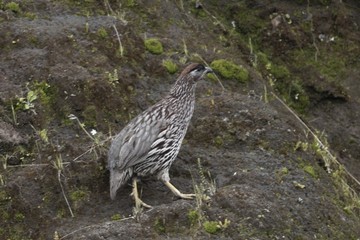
column 121, row 49
column 58, row 164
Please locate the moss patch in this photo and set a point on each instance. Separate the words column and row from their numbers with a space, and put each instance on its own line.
column 279, row 71
column 154, row 46
column 13, row 6
column 310, row 170
column 193, row 216
column 170, row 66
column 211, row 227
column 230, row 70
column 159, row 226
column 116, row 217
column 101, row 32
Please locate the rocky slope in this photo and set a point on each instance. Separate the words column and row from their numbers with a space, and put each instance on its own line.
column 73, row 73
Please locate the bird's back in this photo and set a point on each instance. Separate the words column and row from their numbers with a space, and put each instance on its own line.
column 150, row 133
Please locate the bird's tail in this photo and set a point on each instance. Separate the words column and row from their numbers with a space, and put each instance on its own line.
column 118, row 179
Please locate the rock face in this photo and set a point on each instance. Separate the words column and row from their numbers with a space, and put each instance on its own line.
column 69, row 81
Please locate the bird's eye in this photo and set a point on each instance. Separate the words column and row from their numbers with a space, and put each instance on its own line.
column 199, row 68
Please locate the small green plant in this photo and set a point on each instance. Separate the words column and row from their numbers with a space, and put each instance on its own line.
column 113, row 77
column 116, row 217
column 300, row 145
column 194, row 217
column 281, row 173
column 310, row 170
column 101, row 32
column 224, row 225
column 219, row 141
column 230, row 70
column 43, row 134
column 211, row 227
column 27, row 103
column 30, row 15
column 159, row 225
column 278, row 71
column 207, row 184
column 37, row 91
column 154, row 46
column 19, row 217
column 79, row 195
column 170, row 66
column 13, row 6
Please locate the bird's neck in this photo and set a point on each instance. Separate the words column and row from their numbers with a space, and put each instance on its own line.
column 183, row 88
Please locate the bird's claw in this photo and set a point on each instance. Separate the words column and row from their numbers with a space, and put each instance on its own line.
column 187, row 195
column 139, row 203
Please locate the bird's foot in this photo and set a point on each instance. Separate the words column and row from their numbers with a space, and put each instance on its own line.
column 138, row 202
column 178, row 193
column 186, row 195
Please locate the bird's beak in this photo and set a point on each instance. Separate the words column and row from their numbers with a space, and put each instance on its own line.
column 208, row 70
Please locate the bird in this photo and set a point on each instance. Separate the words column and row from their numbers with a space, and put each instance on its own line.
column 149, row 143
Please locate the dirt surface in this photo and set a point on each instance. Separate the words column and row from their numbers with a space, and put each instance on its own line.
column 69, row 81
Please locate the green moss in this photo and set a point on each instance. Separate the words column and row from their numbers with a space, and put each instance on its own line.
column 310, row 170
column 130, row 3
column 230, row 70
column 116, row 217
column 293, row 93
column 61, row 213
column 79, row 195
column 211, row 227
column 281, row 173
column 279, row 71
column 330, row 64
column 154, row 46
column 284, row 170
column 13, row 6
column 159, row 226
column 30, row 15
column 193, row 216
column 218, row 141
column 170, row 66
column 262, row 59
column 101, row 32
column 19, row 217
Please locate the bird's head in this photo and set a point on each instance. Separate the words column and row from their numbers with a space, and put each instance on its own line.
column 187, row 80
column 195, row 71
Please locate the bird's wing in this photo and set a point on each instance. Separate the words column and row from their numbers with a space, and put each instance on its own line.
column 132, row 144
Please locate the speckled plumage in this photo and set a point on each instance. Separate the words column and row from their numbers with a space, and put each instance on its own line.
column 149, row 144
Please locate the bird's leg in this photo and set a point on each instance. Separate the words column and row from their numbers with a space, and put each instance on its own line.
column 138, row 201
column 177, row 192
